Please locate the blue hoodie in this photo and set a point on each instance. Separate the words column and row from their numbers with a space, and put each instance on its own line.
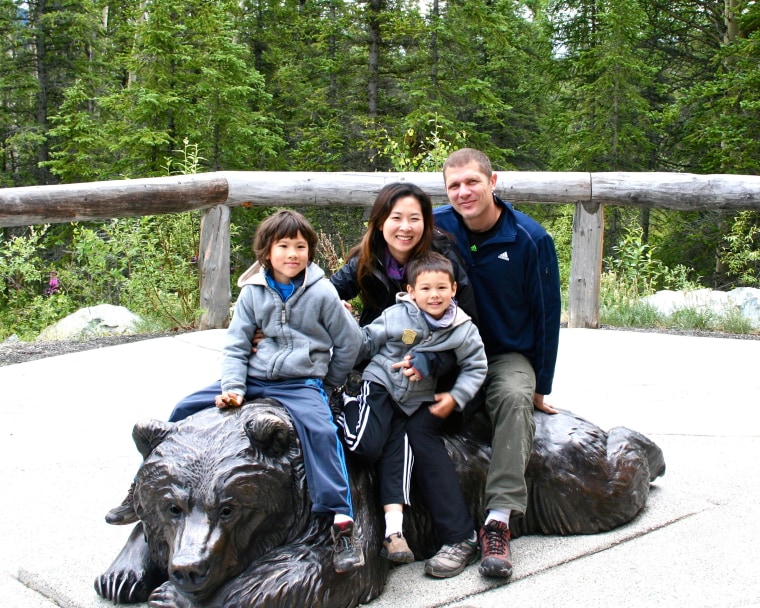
column 515, row 280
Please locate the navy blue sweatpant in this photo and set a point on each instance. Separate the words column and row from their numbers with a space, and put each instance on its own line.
column 307, row 404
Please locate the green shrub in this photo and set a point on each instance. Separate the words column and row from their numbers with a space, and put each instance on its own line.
column 742, row 249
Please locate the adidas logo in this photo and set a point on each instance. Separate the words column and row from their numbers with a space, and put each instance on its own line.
column 504, row 256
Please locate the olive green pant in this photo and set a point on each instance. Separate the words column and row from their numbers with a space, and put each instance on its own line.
column 510, row 385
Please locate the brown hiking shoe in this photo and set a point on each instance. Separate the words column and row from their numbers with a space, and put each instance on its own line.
column 452, row 559
column 495, row 551
column 347, row 552
column 396, row 550
column 125, row 513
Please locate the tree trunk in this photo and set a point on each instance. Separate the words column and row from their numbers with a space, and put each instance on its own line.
column 373, row 28
column 43, row 83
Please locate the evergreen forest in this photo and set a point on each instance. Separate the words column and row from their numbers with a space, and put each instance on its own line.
column 99, row 90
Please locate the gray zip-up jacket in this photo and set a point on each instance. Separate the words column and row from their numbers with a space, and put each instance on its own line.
column 311, row 335
column 401, row 329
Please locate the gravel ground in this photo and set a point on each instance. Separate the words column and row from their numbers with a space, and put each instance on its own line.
column 12, row 352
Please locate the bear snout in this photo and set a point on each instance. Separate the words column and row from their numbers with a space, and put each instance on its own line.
column 191, row 563
column 190, row 576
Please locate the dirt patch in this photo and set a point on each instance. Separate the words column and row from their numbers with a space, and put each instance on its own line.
column 20, row 352
column 12, row 352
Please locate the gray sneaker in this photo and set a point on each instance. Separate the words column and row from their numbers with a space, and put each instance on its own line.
column 125, row 513
column 452, row 559
column 347, row 550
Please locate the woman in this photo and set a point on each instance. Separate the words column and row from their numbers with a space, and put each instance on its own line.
column 400, row 228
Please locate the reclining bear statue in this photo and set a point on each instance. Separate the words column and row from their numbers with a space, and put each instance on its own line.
column 225, row 517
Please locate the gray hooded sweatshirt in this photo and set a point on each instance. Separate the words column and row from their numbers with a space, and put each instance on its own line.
column 311, row 335
column 402, row 329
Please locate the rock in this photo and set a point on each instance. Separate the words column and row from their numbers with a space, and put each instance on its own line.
column 744, row 299
column 748, row 301
column 95, row 321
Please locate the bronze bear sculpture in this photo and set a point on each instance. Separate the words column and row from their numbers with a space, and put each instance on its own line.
column 226, row 522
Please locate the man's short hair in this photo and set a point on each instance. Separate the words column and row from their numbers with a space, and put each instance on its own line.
column 467, row 155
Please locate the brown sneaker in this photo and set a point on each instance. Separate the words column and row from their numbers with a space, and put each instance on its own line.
column 347, row 552
column 125, row 513
column 396, row 550
column 494, row 547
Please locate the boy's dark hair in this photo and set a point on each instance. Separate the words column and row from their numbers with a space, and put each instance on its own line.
column 285, row 224
column 428, row 262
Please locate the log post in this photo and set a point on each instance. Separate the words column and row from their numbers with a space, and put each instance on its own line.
column 214, row 265
column 586, row 265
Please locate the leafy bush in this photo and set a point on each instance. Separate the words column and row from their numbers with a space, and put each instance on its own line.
column 634, row 272
column 742, row 249
column 638, row 272
column 27, row 302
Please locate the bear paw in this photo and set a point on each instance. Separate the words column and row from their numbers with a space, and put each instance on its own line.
column 167, row 596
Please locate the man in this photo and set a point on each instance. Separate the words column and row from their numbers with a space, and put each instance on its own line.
column 512, row 265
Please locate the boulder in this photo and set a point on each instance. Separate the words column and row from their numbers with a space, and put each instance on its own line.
column 93, row 322
column 745, row 300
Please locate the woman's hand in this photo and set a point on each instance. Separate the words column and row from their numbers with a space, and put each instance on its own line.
column 258, row 336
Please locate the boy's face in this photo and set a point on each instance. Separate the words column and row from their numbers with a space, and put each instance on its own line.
column 433, row 292
column 288, row 257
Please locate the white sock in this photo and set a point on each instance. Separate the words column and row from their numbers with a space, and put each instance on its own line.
column 498, row 515
column 341, row 519
column 394, row 523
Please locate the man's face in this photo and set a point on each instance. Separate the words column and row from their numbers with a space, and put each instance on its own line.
column 470, row 192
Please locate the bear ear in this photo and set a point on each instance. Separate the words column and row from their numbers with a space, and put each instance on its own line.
column 269, row 434
column 147, row 434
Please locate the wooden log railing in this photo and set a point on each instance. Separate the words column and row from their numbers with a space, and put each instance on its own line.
column 216, row 192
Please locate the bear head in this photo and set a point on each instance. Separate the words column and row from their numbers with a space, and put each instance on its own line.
column 218, row 490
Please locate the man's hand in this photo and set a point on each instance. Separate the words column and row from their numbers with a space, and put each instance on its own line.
column 443, row 406
column 228, row 399
column 540, row 404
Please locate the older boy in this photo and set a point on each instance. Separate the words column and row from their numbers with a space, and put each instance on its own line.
column 311, row 344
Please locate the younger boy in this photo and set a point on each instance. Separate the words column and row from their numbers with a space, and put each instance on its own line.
column 397, row 400
column 311, row 344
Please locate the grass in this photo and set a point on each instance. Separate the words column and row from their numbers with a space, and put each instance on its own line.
column 619, row 308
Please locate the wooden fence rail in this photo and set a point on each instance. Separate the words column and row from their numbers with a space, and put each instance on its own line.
column 216, row 192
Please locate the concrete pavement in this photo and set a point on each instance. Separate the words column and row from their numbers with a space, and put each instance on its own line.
column 67, row 456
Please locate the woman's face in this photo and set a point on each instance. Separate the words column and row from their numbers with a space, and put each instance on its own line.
column 403, row 228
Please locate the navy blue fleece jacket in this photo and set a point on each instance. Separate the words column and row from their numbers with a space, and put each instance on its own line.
column 515, row 280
